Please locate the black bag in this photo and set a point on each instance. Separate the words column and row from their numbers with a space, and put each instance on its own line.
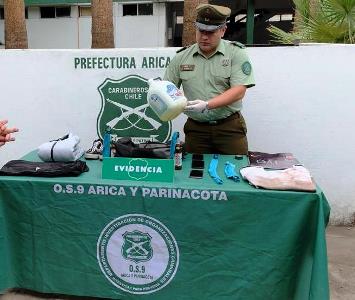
column 124, row 147
column 43, row 169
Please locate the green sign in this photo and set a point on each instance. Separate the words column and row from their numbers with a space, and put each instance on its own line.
column 125, row 109
column 138, row 169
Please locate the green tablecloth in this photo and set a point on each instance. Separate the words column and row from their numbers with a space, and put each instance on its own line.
column 189, row 240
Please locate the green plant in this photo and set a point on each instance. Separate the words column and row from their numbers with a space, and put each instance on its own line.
column 324, row 21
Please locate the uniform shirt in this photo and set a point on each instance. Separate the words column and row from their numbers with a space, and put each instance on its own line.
column 204, row 78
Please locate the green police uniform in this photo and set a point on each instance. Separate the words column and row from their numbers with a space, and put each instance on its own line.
column 204, row 78
column 221, row 130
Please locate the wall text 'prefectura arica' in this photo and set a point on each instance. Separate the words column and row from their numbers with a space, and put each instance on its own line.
column 122, row 62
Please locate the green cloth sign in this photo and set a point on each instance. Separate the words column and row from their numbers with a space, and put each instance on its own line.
column 191, row 239
column 138, row 169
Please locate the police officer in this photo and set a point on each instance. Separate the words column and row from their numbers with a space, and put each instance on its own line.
column 215, row 74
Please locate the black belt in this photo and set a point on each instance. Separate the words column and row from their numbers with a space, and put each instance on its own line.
column 220, row 121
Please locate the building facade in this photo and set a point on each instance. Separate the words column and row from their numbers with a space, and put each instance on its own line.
column 66, row 24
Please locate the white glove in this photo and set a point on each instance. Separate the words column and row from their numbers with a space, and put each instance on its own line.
column 196, row 106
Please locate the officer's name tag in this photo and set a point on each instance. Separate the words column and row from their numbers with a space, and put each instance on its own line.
column 187, row 67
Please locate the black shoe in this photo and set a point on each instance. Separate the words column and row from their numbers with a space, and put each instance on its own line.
column 95, row 152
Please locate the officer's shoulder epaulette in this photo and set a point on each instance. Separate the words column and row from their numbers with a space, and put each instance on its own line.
column 240, row 45
column 183, row 48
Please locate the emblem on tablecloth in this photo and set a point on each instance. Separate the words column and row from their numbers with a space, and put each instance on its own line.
column 138, row 254
column 137, row 246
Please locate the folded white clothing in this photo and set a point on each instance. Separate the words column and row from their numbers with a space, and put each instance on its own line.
column 295, row 178
column 63, row 149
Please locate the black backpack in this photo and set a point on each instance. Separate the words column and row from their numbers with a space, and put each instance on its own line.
column 124, row 147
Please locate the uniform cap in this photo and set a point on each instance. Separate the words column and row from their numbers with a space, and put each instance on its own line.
column 211, row 17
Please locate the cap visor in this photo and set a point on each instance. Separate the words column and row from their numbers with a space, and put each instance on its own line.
column 205, row 27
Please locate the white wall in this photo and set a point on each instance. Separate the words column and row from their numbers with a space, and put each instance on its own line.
column 303, row 103
column 52, row 33
column 141, row 31
column 56, row 33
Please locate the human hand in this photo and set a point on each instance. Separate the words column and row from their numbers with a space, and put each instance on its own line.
column 196, row 106
column 5, row 133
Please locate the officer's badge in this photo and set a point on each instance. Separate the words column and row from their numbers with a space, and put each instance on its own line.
column 246, row 68
column 225, row 62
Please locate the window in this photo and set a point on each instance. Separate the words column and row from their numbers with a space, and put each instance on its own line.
column 26, row 12
column 286, row 17
column 84, row 11
column 275, row 18
column 49, row 12
column 145, row 9
column 242, row 18
column 130, row 9
column 142, row 9
column 283, row 17
column 63, row 11
column 179, row 19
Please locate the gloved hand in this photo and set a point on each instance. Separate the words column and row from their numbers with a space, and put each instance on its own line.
column 196, row 106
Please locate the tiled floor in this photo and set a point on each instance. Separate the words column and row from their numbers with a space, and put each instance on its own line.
column 341, row 262
column 341, row 258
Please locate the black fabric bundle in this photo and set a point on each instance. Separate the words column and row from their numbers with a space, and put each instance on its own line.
column 43, row 169
column 124, row 147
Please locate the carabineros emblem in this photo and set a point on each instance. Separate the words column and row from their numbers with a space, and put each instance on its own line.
column 138, row 254
column 126, row 111
column 137, row 246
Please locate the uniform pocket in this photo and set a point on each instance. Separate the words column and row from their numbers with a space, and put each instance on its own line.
column 221, row 76
column 187, row 75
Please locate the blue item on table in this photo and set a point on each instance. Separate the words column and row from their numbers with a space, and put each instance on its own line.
column 212, row 169
column 229, row 170
column 107, row 143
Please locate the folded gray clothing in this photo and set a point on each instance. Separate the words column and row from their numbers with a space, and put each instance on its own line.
column 63, row 149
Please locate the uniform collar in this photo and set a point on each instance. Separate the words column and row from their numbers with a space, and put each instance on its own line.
column 221, row 48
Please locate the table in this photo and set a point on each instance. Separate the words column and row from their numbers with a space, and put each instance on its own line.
column 192, row 239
